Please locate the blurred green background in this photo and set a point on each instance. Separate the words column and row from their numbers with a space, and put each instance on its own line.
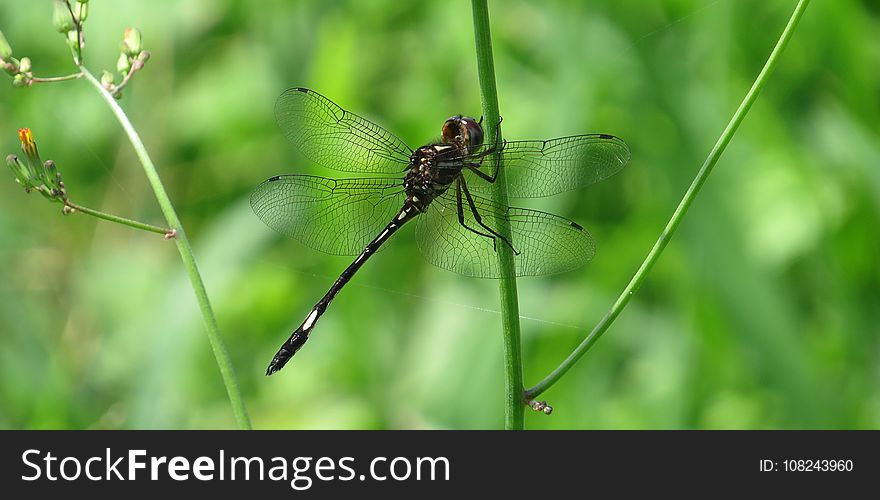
column 764, row 312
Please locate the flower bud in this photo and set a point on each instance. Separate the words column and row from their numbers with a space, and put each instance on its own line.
column 5, row 48
column 11, row 66
column 61, row 17
column 24, row 65
column 107, row 79
column 123, row 64
column 81, row 10
column 50, row 168
column 132, row 43
column 19, row 80
column 73, row 40
column 29, row 146
column 138, row 63
column 52, row 177
column 19, row 171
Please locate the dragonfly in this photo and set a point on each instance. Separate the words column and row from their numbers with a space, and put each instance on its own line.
column 446, row 186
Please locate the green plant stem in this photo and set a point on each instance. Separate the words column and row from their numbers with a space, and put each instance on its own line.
column 77, row 51
column 679, row 213
column 513, row 384
column 52, row 79
column 120, row 220
column 220, row 353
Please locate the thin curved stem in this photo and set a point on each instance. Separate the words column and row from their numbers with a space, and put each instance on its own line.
column 220, row 353
column 679, row 213
column 513, row 393
column 168, row 233
column 52, row 79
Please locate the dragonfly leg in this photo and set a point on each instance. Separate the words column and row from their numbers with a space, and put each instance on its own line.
column 460, row 208
column 479, row 218
column 475, row 167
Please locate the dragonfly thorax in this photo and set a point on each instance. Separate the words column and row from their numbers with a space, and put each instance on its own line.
column 432, row 169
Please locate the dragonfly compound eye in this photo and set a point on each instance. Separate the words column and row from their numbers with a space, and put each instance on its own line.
column 452, row 130
column 474, row 131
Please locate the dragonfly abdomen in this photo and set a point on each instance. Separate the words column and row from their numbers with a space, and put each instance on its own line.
column 299, row 337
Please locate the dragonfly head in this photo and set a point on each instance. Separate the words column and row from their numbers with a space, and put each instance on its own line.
column 462, row 131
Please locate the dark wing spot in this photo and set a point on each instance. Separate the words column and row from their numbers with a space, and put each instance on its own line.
column 606, row 136
column 274, row 178
column 577, row 226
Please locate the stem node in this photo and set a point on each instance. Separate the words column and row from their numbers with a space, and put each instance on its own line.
column 541, row 407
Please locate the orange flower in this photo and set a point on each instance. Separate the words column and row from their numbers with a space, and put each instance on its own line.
column 25, row 135
column 29, row 146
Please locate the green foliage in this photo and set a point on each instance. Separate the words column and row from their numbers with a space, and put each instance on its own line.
column 761, row 313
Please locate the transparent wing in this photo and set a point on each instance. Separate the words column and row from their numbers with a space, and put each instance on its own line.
column 337, row 216
column 336, row 138
column 534, row 169
column 547, row 244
